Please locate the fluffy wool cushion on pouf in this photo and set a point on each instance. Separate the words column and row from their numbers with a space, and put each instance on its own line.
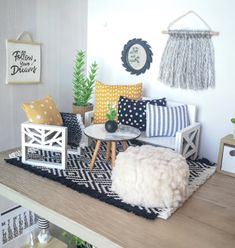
column 151, row 176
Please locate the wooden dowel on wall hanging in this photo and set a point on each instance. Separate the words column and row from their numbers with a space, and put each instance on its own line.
column 212, row 33
column 208, row 28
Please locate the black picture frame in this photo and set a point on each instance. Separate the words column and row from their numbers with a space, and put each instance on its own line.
column 136, row 56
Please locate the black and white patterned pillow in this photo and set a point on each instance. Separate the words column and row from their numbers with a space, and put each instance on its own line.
column 165, row 121
column 133, row 112
column 75, row 128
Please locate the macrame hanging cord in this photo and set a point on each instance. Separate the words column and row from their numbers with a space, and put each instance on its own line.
column 188, row 59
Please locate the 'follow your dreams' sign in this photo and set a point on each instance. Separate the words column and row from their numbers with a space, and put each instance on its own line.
column 23, row 62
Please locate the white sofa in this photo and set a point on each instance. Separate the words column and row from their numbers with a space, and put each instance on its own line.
column 186, row 141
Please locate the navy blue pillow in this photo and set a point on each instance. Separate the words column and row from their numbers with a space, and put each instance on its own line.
column 133, row 112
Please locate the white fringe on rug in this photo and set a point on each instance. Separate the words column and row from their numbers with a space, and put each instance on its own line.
column 15, row 154
column 188, row 60
column 167, row 212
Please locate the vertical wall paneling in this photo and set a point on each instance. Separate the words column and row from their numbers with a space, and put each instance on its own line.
column 61, row 28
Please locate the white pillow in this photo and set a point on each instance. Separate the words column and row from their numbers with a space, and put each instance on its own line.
column 165, row 121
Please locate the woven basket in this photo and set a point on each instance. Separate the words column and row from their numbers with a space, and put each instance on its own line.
column 82, row 110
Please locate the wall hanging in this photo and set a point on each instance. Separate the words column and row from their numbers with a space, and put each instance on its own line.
column 23, row 58
column 188, row 59
column 136, row 56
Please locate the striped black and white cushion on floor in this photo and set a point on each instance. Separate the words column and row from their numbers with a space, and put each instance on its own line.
column 98, row 182
column 165, row 121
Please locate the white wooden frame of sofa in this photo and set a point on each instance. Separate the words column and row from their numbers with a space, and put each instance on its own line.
column 50, row 138
column 186, row 141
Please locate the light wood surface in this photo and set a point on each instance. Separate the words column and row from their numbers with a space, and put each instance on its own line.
column 207, row 219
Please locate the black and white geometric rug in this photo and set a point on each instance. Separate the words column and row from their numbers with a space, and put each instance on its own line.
column 97, row 183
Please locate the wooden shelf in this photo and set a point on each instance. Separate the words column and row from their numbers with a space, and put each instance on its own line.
column 210, row 211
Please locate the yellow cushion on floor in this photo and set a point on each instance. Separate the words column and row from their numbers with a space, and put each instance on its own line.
column 43, row 111
column 109, row 94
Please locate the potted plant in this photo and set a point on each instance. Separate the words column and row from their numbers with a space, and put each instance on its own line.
column 111, row 125
column 83, row 85
column 76, row 241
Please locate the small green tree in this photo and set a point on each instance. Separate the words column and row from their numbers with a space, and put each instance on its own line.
column 233, row 120
column 82, row 85
column 112, row 112
column 76, row 241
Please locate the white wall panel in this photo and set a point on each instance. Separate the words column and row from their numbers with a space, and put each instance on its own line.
column 112, row 23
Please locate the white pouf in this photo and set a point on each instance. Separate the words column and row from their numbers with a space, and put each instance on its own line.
column 150, row 176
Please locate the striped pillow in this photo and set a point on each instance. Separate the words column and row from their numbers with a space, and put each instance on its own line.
column 165, row 121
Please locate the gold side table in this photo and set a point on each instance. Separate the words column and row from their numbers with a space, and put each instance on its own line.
column 54, row 243
column 226, row 158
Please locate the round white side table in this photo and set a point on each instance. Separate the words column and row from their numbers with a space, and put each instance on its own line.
column 123, row 134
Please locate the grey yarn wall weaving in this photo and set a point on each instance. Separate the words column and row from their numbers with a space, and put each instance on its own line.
column 188, row 59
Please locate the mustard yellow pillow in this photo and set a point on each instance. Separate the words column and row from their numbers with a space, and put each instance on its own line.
column 109, row 94
column 43, row 111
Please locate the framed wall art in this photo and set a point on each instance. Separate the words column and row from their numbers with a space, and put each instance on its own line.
column 23, row 61
column 136, row 56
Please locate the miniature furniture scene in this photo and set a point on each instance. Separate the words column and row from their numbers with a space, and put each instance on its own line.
column 157, row 122
column 49, row 131
column 111, row 171
column 169, row 124
column 123, row 170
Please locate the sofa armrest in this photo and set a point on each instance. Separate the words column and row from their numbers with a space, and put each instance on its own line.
column 187, row 140
column 89, row 117
column 45, row 137
column 44, row 126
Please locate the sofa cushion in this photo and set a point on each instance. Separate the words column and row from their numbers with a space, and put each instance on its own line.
column 133, row 112
column 165, row 121
column 109, row 94
column 43, row 111
column 75, row 128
